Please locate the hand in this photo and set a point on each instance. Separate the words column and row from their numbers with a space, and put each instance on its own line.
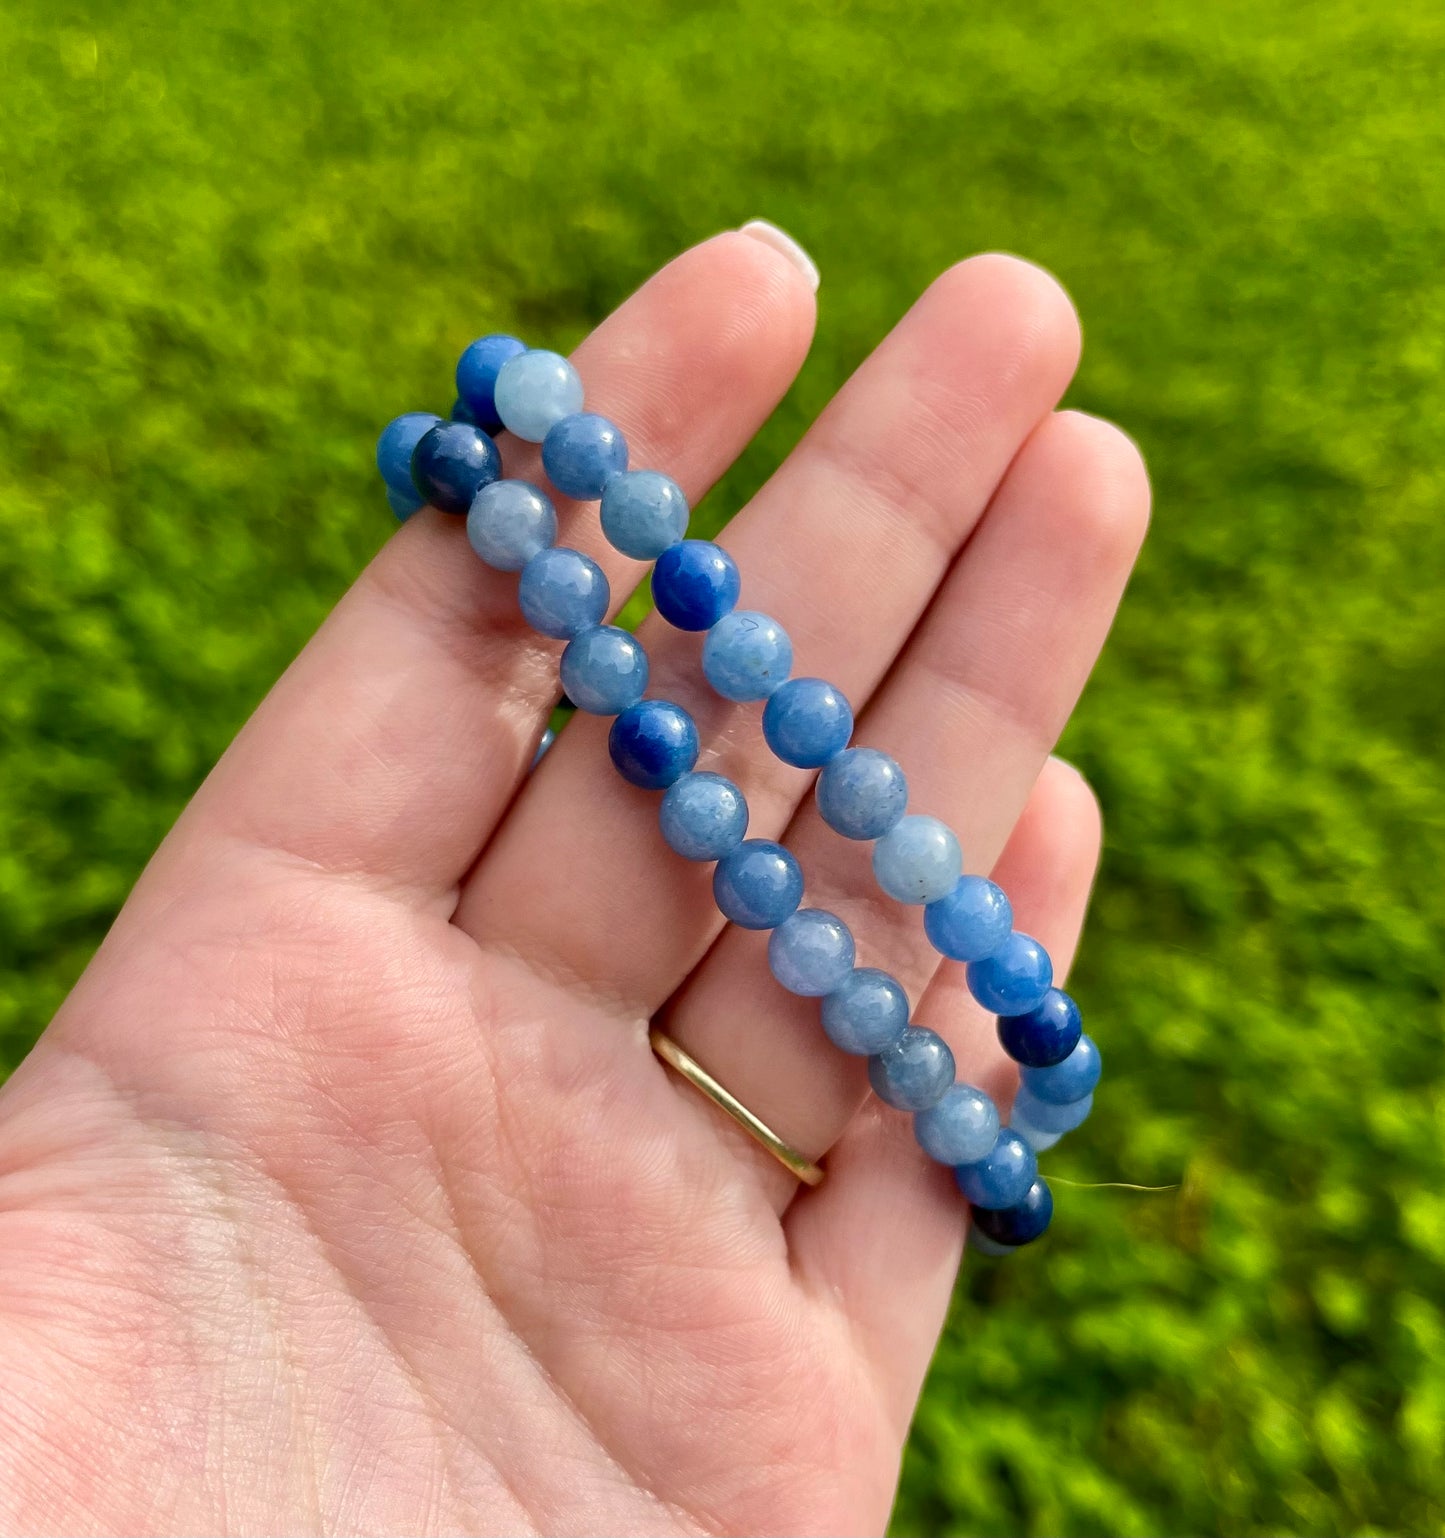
column 345, row 1194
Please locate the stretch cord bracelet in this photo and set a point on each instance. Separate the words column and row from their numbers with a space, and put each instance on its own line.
column 861, row 793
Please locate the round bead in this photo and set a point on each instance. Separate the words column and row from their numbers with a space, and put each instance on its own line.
column 1047, row 1034
column 461, row 412
column 561, row 592
column 807, row 722
column 451, row 463
column 1039, row 1141
column 971, row 921
column 1053, row 1119
column 979, row 1243
column 918, row 860
column 866, row 1013
column 534, row 391
column 1021, row 1223
column 397, row 444
column 643, row 512
column 604, row 670
column 1014, row 979
column 403, row 503
column 758, row 884
column 1069, row 1080
column 1002, row 1176
column 862, row 793
column 746, row 655
column 915, row 1072
column 811, row 952
column 703, row 816
column 961, row 1128
column 477, row 371
column 653, row 743
column 694, row 584
column 582, row 452
column 509, row 522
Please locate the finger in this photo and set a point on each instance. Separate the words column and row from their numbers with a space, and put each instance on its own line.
column 845, row 545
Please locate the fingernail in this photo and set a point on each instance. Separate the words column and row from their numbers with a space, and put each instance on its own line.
column 780, row 240
column 1064, row 763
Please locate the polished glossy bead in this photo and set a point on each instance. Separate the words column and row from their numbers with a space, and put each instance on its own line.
column 534, row 391
column 477, row 371
column 971, row 921
column 509, row 522
column 1045, row 1034
column 643, row 512
column 807, row 722
column 653, row 743
column 962, row 1127
column 1038, row 1140
column 703, row 816
column 548, row 738
column 461, row 412
column 811, row 952
column 403, row 503
column 562, row 591
column 1068, row 1080
column 918, row 860
column 397, row 444
column 694, row 584
column 915, row 1072
column 1021, row 1223
column 1014, row 979
column 746, row 655
column 1003, row 1176
column 866, row 1013
column 979, row 1243
column 758, row 884
column 582, row 452
column 451, row 463
column 1051, row 1118
column 604, row 670
column 862, row 793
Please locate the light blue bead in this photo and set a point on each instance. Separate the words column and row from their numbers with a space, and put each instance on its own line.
column 971, row 921
column 862, row 793
column 811, row 952
column 918, row 861
column 1038, row 1140
column 548, row 738
column 653, row 743
column 961, row 1128
column 477, row 371
column 1003, row 1176
column 643, row 513
column 758, row 884
column 746, row 655
column 1068, row 1081
column 403, row 503
column 703, row 816
column 866, row 1013
column 604, row 670
column 1014, row 979
column 1051, row 1118
column 914, row 1073
column 534, row 391
column 397, row 444
column 562, row 592
column 582, row 452
column 807, row 722
column 509, row 522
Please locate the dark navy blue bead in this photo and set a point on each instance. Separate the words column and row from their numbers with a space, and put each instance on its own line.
column 1012, row 981
column 653, row 743
column 1020, row 1224
column 915, row 1072
column 1068, row 1080
column 582, row 452
column 477, row 371
column 461, row 412
column 1003, row 1176
column 451, row 463
column 694, row 584
column 758, row 884
column 971, row 922
column 1044, row 1036
column 807, row 722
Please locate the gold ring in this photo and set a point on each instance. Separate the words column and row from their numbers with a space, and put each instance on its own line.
column 693, row 1071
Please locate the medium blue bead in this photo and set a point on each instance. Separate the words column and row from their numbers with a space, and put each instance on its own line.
column 1014, row 979
column 862, row 793
column 534, row 391
column 397, row 444
column 918, row 860
column 582, row 452
column 914, row 1073
column 403, row 503
column 807, row 722
column 643, row 513
column 653, row 743
column 1045, row 1034
column 758, row 884
column 562, row 591
column 811, row 952
column 694, row 584
column 451, row 463
column 461, row 412
column 962, row 1127
column 866, row 1013
column 746, row 655
column 1051, row 1118
column 1069, row 1080
column 477, row 371
column 1003, row 1176
column 703, row 816
column 604, row 670
column 971, row 922
column 509, row 522
column 1021, row 1223
column 1039, row 1141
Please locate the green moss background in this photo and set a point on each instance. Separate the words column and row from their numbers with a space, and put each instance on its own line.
column 235, row 238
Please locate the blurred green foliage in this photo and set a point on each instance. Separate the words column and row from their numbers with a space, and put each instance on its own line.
column 238, row 237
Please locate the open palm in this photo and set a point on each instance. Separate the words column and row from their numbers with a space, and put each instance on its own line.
column 345, row 1194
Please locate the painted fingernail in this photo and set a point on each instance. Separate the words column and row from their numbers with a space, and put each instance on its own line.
column 780, row 240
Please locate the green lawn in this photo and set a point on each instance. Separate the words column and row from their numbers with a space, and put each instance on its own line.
column 238, row 237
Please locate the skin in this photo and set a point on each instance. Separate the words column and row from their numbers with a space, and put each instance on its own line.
column 344, row 1193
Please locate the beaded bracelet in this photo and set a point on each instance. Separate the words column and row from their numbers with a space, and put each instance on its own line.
column 861, row 793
